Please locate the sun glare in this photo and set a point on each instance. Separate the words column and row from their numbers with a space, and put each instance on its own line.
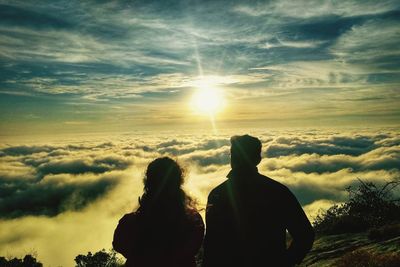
column 207, row 99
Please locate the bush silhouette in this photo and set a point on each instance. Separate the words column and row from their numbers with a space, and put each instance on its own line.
column 101, row 258
column 369, row 206
column 27, row 261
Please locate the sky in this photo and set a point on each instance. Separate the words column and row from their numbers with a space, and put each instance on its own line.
column 92, row 91
column 111, row 66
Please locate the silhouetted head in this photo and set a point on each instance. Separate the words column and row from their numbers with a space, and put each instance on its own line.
column 163, row 176
column 245, row 152
column 162, row 187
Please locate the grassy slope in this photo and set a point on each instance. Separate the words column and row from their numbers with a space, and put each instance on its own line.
column 328, row 249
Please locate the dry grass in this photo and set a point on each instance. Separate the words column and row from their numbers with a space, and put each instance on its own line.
column 384, row 232
column 364, row 258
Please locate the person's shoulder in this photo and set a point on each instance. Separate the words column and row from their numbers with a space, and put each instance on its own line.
column 192, row 212
column 273, row 184
column 218, row 190
column 194, row 216
column 128, row 218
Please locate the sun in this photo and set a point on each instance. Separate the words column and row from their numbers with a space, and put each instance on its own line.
column 208, row 98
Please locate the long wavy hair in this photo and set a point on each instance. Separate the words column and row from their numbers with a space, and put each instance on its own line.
column 165, row 210
column 163, row 191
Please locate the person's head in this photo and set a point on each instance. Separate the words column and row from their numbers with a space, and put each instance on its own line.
column 163, row 176
column 245, row 152
column 162, row 184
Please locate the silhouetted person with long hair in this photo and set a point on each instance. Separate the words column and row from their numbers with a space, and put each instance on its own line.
column 166, row 229
column 248, row 215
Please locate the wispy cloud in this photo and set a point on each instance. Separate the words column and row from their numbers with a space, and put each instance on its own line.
column 316, row 8
column 375, row 42
column 111, row 52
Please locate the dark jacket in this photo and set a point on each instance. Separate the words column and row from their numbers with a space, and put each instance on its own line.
column 159, row 240
column 247, row 218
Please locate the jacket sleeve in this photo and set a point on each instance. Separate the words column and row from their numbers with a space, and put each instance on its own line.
column 122, row 239
column 196, row 235
column 198, row 232
column 300, row 229
column 212, row 239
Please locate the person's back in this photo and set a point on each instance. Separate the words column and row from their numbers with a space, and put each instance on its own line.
column 247, row 218
column 166, row 229
column 159, row 239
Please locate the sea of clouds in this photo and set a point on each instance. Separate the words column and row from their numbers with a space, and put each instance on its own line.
column 64, row 197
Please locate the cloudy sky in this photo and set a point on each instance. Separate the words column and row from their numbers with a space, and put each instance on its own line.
column 92, row 91
column 126, row 65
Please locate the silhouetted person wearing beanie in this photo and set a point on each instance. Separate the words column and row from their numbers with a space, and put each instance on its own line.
column 248, row 215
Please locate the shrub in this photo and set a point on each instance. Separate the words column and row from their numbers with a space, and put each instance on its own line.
column 27, row 261
column 361, row 258
column 99, row 259
column 368, row 206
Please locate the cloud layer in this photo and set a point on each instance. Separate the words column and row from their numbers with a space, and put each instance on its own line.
column 72, row 184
